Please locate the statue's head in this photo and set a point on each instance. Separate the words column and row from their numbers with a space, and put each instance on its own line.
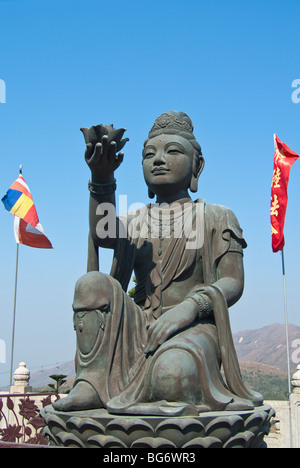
column 172, row 157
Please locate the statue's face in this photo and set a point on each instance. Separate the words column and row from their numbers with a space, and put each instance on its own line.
column 167, row 164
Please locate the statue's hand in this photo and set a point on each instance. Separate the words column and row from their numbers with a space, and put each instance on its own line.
column 103, row 160
column 169, row 323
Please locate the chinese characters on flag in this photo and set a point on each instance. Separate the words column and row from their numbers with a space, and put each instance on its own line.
column 284, row 158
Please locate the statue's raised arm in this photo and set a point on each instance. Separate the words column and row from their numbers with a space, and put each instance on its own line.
column 103, row 155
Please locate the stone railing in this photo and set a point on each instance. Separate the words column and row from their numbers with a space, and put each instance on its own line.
column 20, row 422
column 285, row 430
column 19, row 417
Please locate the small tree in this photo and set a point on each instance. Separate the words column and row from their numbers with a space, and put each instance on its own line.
column 132, row 291
column 59, row 381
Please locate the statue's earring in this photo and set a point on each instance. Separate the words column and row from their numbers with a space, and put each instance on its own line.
column 196, row 173
column 194, row 184
column 150, row 194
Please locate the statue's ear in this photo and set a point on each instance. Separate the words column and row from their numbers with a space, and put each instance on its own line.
column 150, row 194
column 198, row 165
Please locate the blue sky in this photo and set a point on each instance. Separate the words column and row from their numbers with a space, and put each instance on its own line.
column 72, row 63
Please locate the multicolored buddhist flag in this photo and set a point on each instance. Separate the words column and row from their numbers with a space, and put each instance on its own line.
column 284, row 158
column 27, row 228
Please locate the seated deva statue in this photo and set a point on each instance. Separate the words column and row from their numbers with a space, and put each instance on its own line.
column 170, row 350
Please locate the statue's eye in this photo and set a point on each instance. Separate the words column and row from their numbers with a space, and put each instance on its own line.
column 149, row 154
column 174, row 151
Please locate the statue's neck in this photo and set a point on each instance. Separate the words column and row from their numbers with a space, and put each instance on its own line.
column 180, row 197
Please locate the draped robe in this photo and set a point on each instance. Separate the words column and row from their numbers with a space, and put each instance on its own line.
column 117, row 366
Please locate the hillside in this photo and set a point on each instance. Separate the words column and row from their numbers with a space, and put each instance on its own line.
column 270, row 381
column 41, row 379
column 267, row 345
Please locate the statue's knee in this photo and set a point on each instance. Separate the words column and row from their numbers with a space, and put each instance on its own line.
column 92, row 291
column 91, row 304
column 175, row 377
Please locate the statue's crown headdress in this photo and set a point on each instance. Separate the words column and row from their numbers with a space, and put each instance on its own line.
column 172, row 122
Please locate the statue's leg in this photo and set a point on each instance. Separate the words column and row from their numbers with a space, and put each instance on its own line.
column 89, row 327
column 175, row 377
column 111, row 332
column 187, row 369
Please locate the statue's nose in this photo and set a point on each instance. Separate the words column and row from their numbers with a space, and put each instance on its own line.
column 159, row 158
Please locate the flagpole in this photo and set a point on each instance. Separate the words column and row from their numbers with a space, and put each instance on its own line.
column 286, row 321
column 14, row 317
column 14, row 310
column 287, row 347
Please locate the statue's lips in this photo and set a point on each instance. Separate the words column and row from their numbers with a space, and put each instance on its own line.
column 160, row 171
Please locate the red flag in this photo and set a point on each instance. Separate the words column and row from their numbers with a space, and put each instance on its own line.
column 26, row 234
column 284, row 158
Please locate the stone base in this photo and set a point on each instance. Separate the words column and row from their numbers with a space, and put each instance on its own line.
column 20, row 389
column 99, row 429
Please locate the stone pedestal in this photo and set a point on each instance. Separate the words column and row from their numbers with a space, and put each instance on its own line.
column 98, row 429
column 21, row 380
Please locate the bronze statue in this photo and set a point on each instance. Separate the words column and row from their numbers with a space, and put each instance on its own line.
column 161, row 353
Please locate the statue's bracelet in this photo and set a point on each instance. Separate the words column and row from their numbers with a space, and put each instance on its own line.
column 102, row 189
column 202, row 302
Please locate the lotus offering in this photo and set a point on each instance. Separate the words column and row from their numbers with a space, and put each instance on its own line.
column 95, row 134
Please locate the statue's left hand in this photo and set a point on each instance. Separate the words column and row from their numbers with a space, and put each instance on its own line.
column 169, row 323
column 103, row 160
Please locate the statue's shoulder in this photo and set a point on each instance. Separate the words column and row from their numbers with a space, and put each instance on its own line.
column 213, row 209
column 220, row 218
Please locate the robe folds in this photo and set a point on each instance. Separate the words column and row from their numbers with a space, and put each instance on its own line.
column 117, row 366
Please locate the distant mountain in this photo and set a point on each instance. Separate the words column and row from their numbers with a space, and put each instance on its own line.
column 261, row 353
column 41, row 379
column 267, row 345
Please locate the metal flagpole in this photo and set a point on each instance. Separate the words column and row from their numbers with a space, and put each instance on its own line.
column 14, row 312
column 14, row 317
column 286, row 322
column 287, row 347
